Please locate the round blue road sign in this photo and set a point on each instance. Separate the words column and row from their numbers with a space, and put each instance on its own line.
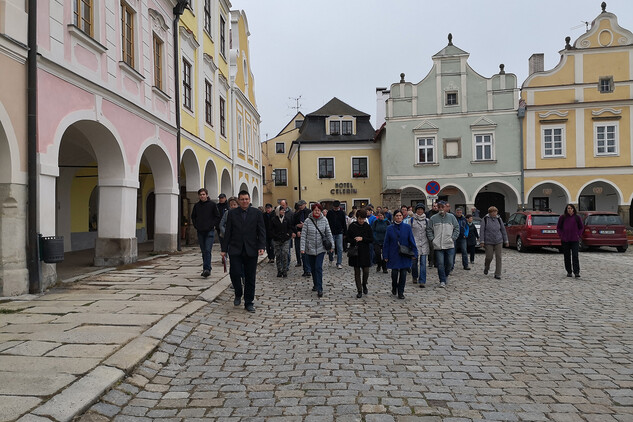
column 432, row 188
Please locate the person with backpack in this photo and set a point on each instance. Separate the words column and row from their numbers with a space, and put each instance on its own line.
column 492, row 237
column 569, row 229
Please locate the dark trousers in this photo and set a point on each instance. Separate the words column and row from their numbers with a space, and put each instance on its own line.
column 357, row 277
column 431, row 254
column 247, row 266
column 460, row 246
column 382, row 264
column 471, row 252
column 270, row 248
column 570, row 252
column 399, row 279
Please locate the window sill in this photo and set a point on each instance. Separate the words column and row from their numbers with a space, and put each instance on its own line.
column 208, row 35
column 161, row 94
column 360, row 177
column 550, row 157
column 86, row 39
column 325, row 178
column 426, row 164
column 607, row 154
column 131, row 72
column 483, row 162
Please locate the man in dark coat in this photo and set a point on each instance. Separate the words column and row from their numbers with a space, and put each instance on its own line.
column 338, row 226
column 270, row 250
column 299, row 217
column 205, row 218
column 244, row 239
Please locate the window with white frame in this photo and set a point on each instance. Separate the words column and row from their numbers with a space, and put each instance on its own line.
column 605, row 84
column 360, row 167
column 326, row 168
column 240, row 137
column 606, row 138
column 186, row 84
column 207, row 16
column 426, row 150
column 553, row 142
column 346, row 127
column 127, row 34
column 280, row 148
column 451, row 98
column 281, row 177
column 222, row 116
column 484, row 147
column 335, row 127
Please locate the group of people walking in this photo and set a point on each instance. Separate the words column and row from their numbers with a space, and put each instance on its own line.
column 400, row 241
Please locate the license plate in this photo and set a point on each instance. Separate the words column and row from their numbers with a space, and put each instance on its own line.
column 548, row 231
column 607, row 231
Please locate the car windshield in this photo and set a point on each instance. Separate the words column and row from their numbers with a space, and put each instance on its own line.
column 598, row 219
column 544, row 220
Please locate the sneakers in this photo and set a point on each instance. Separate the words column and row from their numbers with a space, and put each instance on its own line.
column 498, row 277
column 339, row 266
column 442, row 285
column 394, row 291
column 237, row 301
column 485, row 272
column 400, row 296
column 568, row 274
column 359, row 295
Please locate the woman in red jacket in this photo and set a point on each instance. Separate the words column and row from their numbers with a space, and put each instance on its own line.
column 569, row 229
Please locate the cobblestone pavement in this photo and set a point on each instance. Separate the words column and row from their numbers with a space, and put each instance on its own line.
column 535, row 345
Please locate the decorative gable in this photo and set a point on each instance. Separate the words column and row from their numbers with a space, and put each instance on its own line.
column 425, row 126
column 604, row 32
column 483, row 123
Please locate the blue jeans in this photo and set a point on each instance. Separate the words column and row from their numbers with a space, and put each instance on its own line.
column 315, row 263
column 444, row 262
column 418, row 270
column 460, row 245
column 205, row 240
column 338, row 243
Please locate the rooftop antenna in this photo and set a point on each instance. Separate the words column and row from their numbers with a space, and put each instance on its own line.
column 586, row 23
column 297, row 106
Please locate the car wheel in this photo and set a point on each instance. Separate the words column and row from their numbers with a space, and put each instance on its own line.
column 581, row 246
column 622, row 248
column 520, row 246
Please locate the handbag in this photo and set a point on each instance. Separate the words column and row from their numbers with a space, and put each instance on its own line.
column 326, row 243
column 405, row 251
column 352, row 251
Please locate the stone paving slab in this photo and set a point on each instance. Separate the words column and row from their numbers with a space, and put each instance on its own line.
column 533, row 346
column 64, row 348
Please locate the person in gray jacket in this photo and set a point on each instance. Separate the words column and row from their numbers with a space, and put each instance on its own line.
column 442, row 230
column 419, row 223
column 492, row 234
column 315, row 229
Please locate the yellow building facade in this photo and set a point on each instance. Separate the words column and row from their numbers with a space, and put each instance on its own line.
column 577, row 139
column 330, row 154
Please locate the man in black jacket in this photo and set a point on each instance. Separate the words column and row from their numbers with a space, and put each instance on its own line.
column 299, row 217
column 270, row 250
column 338, row 226
column 205, row 218
column 244, row 239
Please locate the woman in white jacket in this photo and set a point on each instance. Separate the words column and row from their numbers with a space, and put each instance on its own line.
column 316, row 229
column 418, row 225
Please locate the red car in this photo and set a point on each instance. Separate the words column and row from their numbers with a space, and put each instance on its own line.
column 603, row 228
column 527, row 229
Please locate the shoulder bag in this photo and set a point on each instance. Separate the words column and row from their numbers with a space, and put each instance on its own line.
column 326, row 243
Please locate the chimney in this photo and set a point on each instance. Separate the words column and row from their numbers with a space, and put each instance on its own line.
column 536, row 63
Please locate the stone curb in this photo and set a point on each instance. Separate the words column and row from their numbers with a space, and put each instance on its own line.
column 84, row 392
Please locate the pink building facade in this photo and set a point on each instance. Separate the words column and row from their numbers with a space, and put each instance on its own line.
column 107, row 153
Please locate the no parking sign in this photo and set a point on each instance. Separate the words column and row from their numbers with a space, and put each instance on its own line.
column 432, row 188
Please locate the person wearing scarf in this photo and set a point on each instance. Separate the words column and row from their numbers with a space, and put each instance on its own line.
column 398, row 234
column 281, row 232
column 312, row 244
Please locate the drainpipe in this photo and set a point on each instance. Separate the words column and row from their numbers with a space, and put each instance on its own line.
column 178, row 11
column 33, row 253
column 521, row 115
column 299, row 165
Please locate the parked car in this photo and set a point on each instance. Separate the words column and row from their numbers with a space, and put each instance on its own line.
column 603, row 228
column 529, row 229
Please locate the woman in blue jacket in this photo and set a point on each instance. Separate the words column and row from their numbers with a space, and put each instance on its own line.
column 398, row 234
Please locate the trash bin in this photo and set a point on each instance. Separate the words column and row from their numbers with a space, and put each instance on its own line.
column 52, row 249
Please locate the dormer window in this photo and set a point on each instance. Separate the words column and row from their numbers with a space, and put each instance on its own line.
column 451, row 98
column 606, row 85
column 335, row 127
column 340, row 125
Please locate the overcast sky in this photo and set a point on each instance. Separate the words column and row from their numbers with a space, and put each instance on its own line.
column 319, row 49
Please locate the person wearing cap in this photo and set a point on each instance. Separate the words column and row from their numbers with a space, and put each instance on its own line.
column 442, row 230
column 315, row 229
column 338, row 225
column 299, row 218
column 419, row 223
column 280, row 234
column 205, row 218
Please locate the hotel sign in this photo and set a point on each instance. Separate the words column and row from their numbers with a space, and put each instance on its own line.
column 343, row 188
